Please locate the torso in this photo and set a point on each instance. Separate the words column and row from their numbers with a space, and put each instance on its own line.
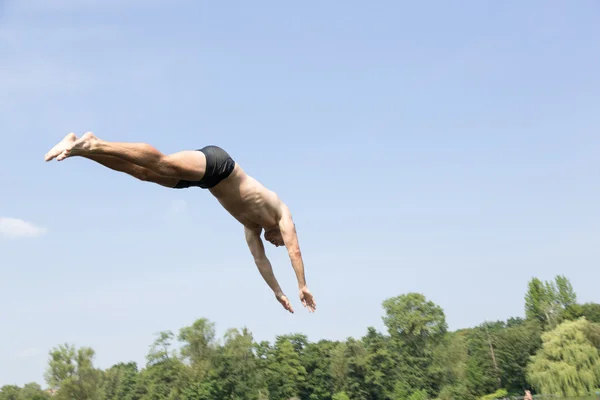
column 248, row 201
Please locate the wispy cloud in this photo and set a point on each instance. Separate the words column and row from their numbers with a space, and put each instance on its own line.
column 30, row 352
column 14, row 228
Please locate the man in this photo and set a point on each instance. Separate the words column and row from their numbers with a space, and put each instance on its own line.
column 247, row 200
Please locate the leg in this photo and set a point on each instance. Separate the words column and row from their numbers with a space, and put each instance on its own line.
column 141, row 173
column 184, row 165
column 114, row 163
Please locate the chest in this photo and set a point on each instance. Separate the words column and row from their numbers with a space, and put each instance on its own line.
column 251, row 211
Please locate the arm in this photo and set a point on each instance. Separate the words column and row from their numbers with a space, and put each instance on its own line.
column 264, row 266
column 260, row 259
column 290, row 239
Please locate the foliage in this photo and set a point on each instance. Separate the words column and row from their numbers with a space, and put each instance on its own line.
column 568, row 364
column 498, row 394
column 340, row 396
column 549, row 303
column 553, row 350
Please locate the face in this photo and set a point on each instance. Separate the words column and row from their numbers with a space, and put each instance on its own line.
column 274, row 237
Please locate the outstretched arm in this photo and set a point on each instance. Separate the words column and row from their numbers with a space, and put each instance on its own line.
column 290, row 239
column 263, row 264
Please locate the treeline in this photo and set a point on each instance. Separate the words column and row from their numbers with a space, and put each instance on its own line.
column 553, row 350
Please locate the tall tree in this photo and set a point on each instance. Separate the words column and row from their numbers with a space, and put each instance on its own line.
column 565, row 294
column 481, row 375
column 120, row 382
column 236, row 367
column 416, row 326
column 72, row 372
column 537, row 301
column 339, row 367
column 357, row 367
column 286, row 374
column 449, row 366
column 198, row 345
column 165, row 375
column 33, row 391
column 550, row 302
column 160, row 350
column 514, row 347
column 381, row 371
column 317, row 361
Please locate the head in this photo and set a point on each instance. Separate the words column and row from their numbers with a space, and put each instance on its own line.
column 274, row 237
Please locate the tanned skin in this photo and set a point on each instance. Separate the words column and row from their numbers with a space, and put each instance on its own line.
column 257, row 208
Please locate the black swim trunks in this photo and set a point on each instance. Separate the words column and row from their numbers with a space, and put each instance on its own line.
column 219, row 166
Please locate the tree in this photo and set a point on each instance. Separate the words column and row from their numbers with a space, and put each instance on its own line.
column 356, row 372
column 449, row 365
column 416, row 320
column 286, row 375
column 381, row 366
column 339, row 367
column 72, row 372
column 568, row 363
column 416, row 326
column 591, row 312
column 198, row 346
column 165, row 375
column 236, row 369
column 10, row 392
column 317, row 361
column 565, row 295
column 550, row 302
column 120, row 382
column 33, row 391
column 160, row 350
column 537, row 301
column 514, row 347
column 480, row 373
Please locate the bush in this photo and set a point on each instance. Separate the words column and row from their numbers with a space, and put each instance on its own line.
column 340, row 396
column 498, row 394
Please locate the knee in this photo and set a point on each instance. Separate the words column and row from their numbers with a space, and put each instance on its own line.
column 143, row 175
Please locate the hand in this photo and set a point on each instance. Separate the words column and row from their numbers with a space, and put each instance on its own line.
column 307, row 299
column 284, row 302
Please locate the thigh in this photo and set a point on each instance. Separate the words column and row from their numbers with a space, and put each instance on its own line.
column 187, row 165
column 165, row 181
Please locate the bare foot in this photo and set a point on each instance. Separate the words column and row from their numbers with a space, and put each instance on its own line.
column 60, row 146
column 83, row 145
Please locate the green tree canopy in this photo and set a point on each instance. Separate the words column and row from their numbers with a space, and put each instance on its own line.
column 568, row 363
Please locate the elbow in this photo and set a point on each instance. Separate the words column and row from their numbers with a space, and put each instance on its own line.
column 261, row 262
column 295, row 254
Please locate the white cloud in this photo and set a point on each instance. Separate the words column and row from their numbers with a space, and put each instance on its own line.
column 14, row 228
column 30, row 352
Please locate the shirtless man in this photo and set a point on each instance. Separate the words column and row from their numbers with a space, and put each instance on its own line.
column 247, row 200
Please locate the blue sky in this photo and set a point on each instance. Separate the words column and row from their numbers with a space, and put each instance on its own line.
column 443, row 148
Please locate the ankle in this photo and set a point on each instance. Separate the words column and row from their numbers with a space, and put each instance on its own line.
column 96, row 145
